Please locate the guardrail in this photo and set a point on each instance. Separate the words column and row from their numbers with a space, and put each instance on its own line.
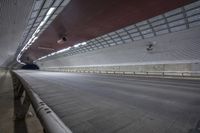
column 49, row 120
column 195, row 74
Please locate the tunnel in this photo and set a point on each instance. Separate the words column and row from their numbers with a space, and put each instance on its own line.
column 30, row 67
column 99, row 66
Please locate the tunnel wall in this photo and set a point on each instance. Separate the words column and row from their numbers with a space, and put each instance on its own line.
column 169, row 50
column 139, row 68
column 186, row 69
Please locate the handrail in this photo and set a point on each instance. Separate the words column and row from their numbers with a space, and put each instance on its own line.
column 148, row 73
column 48, row 118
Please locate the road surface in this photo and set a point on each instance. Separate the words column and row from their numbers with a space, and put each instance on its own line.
column 89, row 103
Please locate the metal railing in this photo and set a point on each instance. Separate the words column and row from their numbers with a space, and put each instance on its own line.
column 49, row 120
column 194, row 74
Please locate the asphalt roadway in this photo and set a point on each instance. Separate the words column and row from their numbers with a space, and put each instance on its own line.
column 89, row 103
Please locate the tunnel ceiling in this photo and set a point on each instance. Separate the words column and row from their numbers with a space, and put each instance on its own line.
column 82, row 20
column 13, row 20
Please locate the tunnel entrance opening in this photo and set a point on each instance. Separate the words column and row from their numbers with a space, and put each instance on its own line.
column 30, row 67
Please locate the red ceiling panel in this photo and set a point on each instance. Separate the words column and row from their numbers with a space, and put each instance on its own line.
column 82, row 20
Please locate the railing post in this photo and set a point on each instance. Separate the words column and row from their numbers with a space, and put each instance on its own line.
column 21, row 109
column 19, row 91
column 25, row 106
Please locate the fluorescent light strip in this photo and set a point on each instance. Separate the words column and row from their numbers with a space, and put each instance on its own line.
column 34, row 37
column 50, row 11
column 79, row 44
column 61, row 51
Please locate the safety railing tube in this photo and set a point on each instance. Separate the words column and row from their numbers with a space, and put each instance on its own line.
column 190, row 74
column 49, row 120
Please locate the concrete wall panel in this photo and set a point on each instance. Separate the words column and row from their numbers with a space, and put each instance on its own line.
column 179, row 47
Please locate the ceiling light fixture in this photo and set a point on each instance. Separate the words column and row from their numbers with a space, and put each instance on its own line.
column 79, row 44
column 61, row 51
column 46, row 48
column 34, row 37
column 62, row 40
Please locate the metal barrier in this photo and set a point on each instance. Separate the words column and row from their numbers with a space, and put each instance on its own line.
column 49, row 120
column 191, row 74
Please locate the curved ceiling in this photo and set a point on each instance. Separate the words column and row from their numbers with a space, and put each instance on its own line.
column 13, row 20
column 84, row 20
